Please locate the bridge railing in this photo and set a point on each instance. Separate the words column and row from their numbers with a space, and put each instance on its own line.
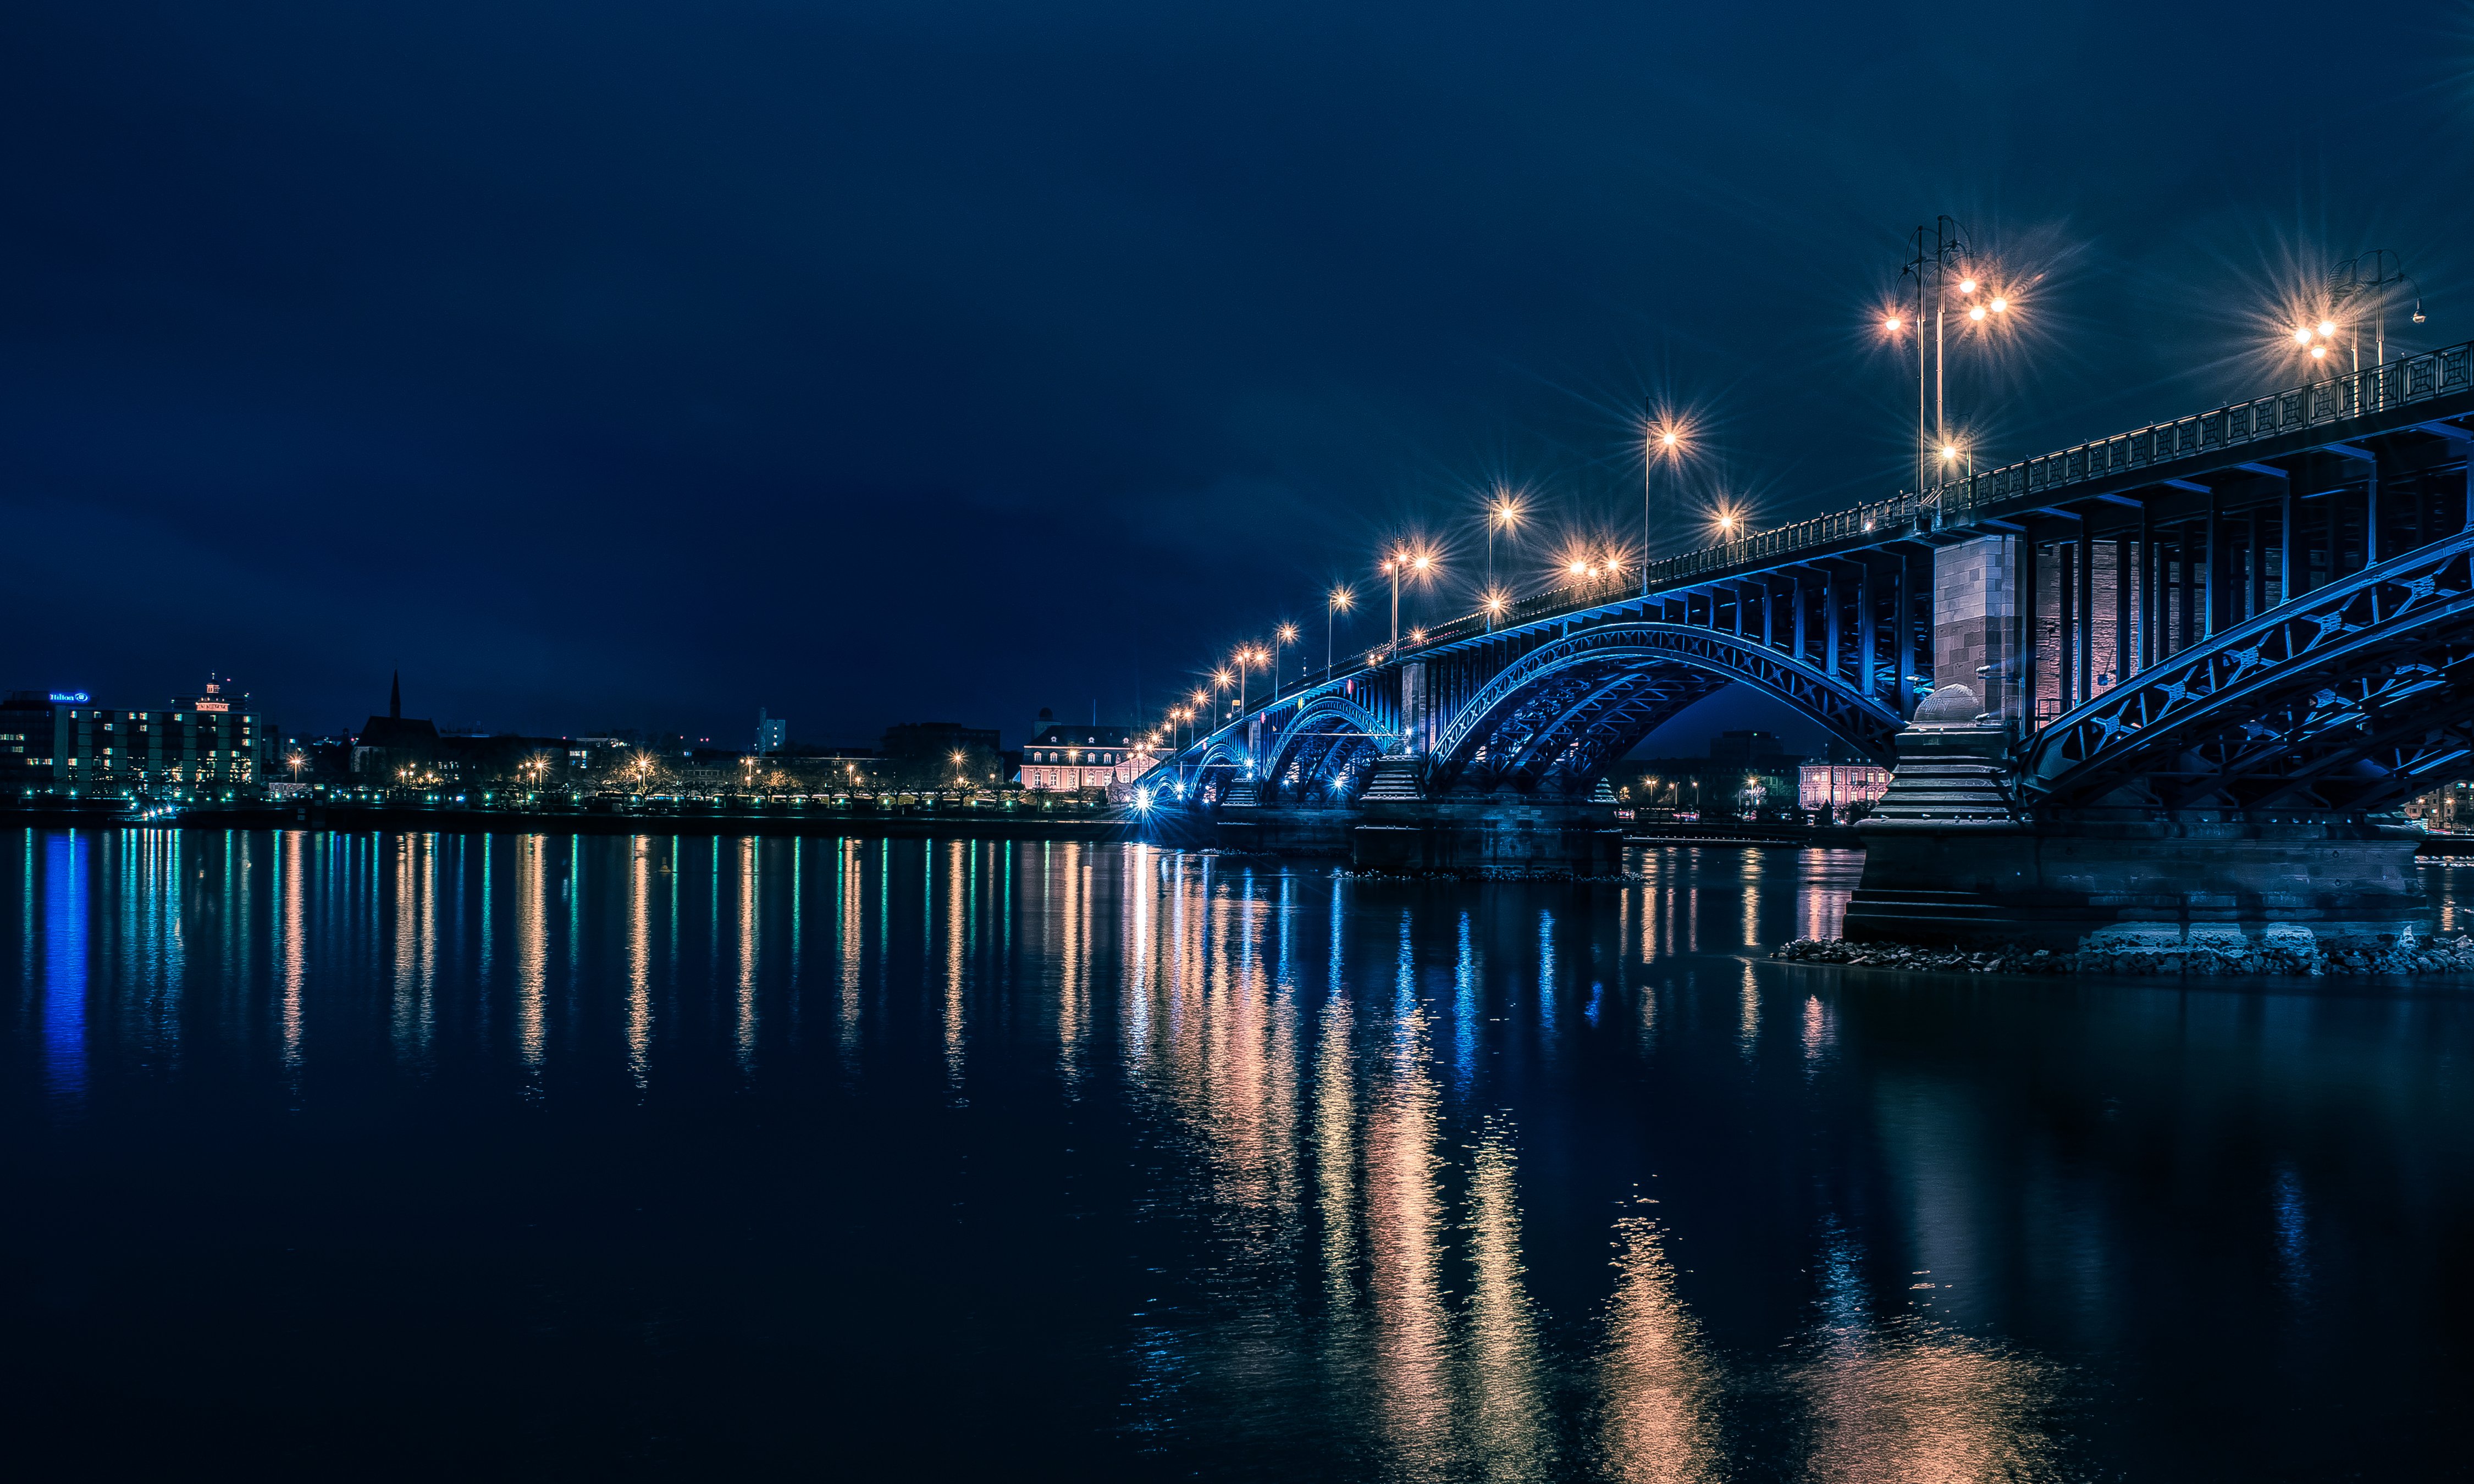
column 1894, row 514
column 2398, row 383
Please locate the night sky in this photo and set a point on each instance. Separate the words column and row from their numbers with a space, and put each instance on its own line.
column 639, row 366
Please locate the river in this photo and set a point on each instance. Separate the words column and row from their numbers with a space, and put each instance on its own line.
column 413, row 1155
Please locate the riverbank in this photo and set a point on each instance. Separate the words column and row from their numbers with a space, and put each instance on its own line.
column 1095, row 828
column 2297, row 956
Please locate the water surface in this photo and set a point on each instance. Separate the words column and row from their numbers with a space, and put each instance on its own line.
column 491, row 1156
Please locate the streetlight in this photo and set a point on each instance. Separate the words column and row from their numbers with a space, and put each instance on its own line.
column 2349, row 283
column 1340, row 600
column 1494, row 600
column 1220, row 681
column 1248, row 656
column 1417, row 564
column 1504, row 512
column 1939, row 250
column 1281, row 638
column 1668, row 437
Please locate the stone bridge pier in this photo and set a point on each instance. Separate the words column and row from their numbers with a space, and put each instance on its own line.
column 2225, row 793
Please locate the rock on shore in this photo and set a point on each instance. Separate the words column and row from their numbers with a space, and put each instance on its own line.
column 2412, row 956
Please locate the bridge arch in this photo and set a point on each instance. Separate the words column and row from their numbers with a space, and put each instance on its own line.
column 1562, row 710
column 1325, row 734
column 2356, row 695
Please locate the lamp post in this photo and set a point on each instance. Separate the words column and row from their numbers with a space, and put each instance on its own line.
column 1665, row 443
column 1940, row 250
column 1402, row 560
column 1282, row 638
column 1392, row 565
column 1504, row 512
column 2371, row 275
column 1340, row 600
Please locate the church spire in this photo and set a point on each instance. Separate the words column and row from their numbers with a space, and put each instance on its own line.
column 395, row 696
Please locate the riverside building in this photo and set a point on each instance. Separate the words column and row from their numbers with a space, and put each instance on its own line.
column 61, row 742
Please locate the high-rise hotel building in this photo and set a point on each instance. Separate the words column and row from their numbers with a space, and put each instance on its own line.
column 58, row 741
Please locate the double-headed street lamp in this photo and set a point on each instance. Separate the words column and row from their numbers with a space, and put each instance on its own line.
column 1282, row 638
column 1941, row 252
column 1340, row 600
column 2370, row 276
column 1414, row 563
column 1247, row 656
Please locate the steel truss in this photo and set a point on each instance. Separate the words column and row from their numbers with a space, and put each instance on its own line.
column 2354, row 696
column 1567, row 705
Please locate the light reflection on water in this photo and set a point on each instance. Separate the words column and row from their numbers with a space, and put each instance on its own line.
column 1325, row 1178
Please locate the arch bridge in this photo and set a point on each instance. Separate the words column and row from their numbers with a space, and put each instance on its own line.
column 2267, row 588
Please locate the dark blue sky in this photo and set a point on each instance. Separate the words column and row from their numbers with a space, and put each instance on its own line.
column 639, row 366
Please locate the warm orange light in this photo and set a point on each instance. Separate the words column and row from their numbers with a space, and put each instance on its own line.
column 1967, row 285
column 1891, row 325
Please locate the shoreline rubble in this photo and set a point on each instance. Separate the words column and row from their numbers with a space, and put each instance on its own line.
column 2300, row 958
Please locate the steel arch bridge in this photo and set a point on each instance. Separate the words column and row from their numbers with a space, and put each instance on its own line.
column 2263, row 605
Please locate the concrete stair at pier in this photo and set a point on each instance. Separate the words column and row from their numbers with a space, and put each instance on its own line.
column 1395, row 781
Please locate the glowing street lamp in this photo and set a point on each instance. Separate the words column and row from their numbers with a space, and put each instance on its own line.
column 1413, row 562
column 1940, row 251
column 1505, row 513
column 1338, row 601
column 1669, row 440
column 1494, row 600
column 1281, row 638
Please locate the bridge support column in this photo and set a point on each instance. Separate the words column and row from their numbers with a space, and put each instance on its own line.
column 1972, row 612
column 1480, row 836
column 1951, row 857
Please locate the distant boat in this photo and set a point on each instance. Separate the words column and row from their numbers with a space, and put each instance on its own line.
column 149, row 814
